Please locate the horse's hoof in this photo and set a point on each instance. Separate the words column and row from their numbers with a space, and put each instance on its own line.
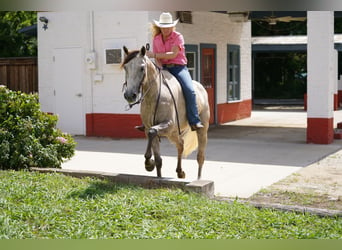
column 159, row 173
column 150, row 165
column 181, row 175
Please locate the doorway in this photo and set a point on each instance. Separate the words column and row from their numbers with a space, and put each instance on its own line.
column 208, row 75
column 68, row 71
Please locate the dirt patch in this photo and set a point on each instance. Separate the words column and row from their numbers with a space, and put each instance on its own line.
column 318, row 185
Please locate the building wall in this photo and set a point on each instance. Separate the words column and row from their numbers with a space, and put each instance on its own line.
column 220, row 30
column 104, row 108
column 62, row 32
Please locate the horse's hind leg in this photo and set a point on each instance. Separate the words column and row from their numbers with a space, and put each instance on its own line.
column 180, row 149
column 202, row 143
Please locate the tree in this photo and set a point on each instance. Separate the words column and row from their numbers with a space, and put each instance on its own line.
column 13, row 43
column 263, row 28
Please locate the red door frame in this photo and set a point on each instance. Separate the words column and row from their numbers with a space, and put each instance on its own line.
column 208, row 65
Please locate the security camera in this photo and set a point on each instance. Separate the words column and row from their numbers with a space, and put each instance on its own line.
column 43, row 19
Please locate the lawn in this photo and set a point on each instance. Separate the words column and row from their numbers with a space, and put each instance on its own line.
column 54, row 206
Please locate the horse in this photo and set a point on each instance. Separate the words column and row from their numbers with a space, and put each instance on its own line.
column 162, row 110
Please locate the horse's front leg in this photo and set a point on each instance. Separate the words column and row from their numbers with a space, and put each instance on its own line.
column 157, row 158
column 149, row 163
column 153, row 145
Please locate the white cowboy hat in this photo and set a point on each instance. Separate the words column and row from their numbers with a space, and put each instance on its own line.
column 165, row 21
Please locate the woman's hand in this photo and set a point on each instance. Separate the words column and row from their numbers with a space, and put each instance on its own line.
column 150, row 54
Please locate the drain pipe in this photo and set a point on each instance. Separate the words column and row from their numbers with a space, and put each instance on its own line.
column 92, row 52
column 91, row 18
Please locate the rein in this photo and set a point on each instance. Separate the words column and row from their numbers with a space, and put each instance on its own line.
column 173, row 98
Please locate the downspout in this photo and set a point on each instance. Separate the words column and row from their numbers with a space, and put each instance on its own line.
column 92, row 50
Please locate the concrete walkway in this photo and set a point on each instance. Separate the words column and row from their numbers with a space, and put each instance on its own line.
column 242, row 156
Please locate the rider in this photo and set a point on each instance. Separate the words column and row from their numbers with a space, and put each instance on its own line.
column 169, row 53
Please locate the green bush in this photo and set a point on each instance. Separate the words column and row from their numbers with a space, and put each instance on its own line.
column 28, row 136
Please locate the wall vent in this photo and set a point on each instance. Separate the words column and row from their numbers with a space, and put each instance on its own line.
column 113, row 56
column 184, row 16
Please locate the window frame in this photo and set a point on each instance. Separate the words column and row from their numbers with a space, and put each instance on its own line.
column 190, row 48
column 233, row 73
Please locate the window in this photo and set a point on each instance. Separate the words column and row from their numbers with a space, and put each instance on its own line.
column 233, row 73
column 191, row 63
column 191, row 55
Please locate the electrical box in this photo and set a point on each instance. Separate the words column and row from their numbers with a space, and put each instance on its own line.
column 90, row 60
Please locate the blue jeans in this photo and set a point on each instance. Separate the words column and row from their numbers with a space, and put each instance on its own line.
column 183, row 76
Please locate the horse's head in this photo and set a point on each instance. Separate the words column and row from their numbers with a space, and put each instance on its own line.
column 134, row 65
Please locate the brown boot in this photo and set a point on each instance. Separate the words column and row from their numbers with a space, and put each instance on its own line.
column 196, row 126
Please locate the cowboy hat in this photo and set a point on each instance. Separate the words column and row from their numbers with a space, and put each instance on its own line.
column 165, row 21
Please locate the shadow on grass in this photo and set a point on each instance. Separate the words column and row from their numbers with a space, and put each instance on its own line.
column 100, row 188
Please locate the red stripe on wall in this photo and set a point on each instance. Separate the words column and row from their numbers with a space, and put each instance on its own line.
column 320, row 130
column 113, row 125
column 227, row 112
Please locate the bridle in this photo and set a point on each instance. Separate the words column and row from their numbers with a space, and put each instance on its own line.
column 142, row 95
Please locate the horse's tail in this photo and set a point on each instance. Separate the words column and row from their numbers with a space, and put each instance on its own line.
column 190, row 142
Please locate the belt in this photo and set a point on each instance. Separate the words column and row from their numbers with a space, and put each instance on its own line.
column 171, row 65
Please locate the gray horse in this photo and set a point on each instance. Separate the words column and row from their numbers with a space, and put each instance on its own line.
column 162, row 110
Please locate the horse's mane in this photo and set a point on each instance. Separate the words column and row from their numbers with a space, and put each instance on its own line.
column 130, row 56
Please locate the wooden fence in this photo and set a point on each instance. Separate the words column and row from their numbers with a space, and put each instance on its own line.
column 19, row 74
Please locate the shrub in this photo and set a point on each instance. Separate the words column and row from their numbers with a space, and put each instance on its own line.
column 28, row 136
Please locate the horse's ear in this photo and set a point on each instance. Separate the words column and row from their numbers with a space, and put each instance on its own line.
column 126, row 50
column 143, row 51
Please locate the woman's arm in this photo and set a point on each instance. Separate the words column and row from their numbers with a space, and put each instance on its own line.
column 167, row 55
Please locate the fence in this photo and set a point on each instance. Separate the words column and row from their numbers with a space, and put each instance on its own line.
column 19, row 74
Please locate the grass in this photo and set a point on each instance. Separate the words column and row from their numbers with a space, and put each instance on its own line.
column 305, row 199
column 53, row 206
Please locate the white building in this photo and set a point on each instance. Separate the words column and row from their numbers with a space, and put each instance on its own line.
column 80, row 78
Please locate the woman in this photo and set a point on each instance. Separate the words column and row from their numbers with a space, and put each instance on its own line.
column 169, row 53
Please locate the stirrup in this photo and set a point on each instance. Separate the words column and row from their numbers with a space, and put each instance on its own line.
column 140, row 128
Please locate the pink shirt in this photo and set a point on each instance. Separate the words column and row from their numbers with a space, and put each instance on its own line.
column 175, row 39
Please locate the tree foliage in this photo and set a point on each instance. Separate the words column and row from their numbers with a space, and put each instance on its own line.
column 13, row 43
column 263, row 28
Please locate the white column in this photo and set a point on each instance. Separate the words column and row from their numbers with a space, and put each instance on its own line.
column 321, row 61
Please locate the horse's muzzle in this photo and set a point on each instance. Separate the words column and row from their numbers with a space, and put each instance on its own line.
column 130, row 97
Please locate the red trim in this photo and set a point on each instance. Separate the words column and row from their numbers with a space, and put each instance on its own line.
column 336, row 102
column 122, row 125
column 305, row 102
column 338, row 135
column 320, row 130
column 339, row 125
column 113, row 125
column 227, row 112
column 339, row 98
